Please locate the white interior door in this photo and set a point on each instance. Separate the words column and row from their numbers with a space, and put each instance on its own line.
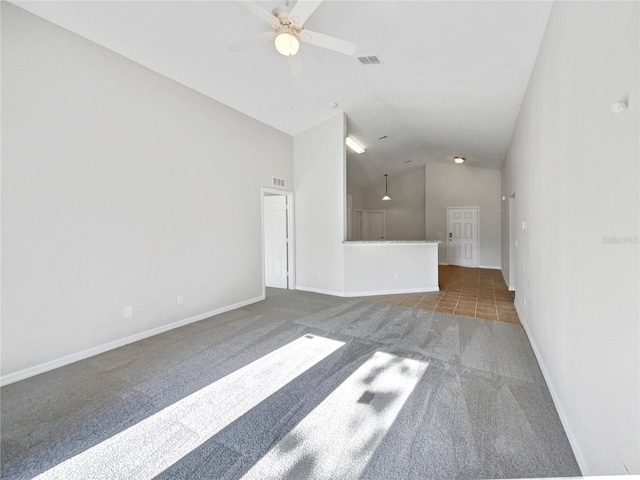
column 373, row 225
column 275, row 241
column 463, row 236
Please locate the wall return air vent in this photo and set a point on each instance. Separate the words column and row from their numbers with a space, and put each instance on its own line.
column 277, row 182
column 371, row 60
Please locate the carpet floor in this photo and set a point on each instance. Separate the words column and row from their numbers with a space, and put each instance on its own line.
column 298, row 386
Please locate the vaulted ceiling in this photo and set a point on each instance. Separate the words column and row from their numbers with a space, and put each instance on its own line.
column 451, row 81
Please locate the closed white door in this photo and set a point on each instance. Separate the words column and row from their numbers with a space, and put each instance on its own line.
column 373, row 225
column 463, row 236
column 275, row 241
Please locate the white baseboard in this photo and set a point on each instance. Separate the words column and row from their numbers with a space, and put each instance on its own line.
column 552, row 390
column 74, row 357
column 370, row 293
column 492, row 267
column 320, row 290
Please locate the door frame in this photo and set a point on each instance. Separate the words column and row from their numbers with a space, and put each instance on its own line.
column 477, row 238
column 512, row 243
column 291, row 281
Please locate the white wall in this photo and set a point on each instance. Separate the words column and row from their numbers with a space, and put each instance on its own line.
column 405, row 213
column 385, row 268
column 319, row 179
column 463, row 186
column 357, row 203
column 573, row 165
column 507, row 191
column 357, row 195
column 119, row 187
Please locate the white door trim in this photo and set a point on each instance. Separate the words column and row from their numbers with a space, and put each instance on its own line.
column 291, row 230
column 512, row 243
column 477, row 239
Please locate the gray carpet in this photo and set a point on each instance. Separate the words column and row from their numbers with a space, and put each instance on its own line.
column 298, row 386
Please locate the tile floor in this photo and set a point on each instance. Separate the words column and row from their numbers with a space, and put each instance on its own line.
column 470, row 292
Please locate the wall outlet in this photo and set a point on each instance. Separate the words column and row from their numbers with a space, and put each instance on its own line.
column 180, row 299
column 396, row 276
column 319, row 274
column 128, row 312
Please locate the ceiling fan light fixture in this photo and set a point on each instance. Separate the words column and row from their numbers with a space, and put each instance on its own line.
column 459, row 159
column 287, row 44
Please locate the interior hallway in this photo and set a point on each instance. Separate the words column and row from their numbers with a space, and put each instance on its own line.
column 469, row 292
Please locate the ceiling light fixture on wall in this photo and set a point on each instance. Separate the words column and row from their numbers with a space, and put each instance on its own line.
column 386, row 188
column 355, row 146
column 459, row 159
column 286, row 43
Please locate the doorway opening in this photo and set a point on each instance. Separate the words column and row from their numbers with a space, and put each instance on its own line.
column 278, row 269
column 462, row 241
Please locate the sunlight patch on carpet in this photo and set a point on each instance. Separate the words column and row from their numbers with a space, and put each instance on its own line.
column 339, row 437
column 185, row 425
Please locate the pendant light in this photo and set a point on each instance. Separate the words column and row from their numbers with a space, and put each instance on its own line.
column 386, row 188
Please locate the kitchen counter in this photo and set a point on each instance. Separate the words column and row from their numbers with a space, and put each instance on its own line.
column 382, row 267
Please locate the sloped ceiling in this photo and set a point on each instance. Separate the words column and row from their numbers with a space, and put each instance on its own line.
column 451, row 82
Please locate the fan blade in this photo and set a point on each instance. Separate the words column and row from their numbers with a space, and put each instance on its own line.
column 261, row 12
column 248, row 42
column 302, row 10
column 296, row 66
column 326, row 41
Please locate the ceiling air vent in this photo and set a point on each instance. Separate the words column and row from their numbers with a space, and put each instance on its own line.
column 277, row 182
column 372, row 60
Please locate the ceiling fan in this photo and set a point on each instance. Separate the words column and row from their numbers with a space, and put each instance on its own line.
column 288, row 29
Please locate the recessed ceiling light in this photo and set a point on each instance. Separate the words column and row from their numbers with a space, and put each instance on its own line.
column 458, row 159
column 353, row 145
